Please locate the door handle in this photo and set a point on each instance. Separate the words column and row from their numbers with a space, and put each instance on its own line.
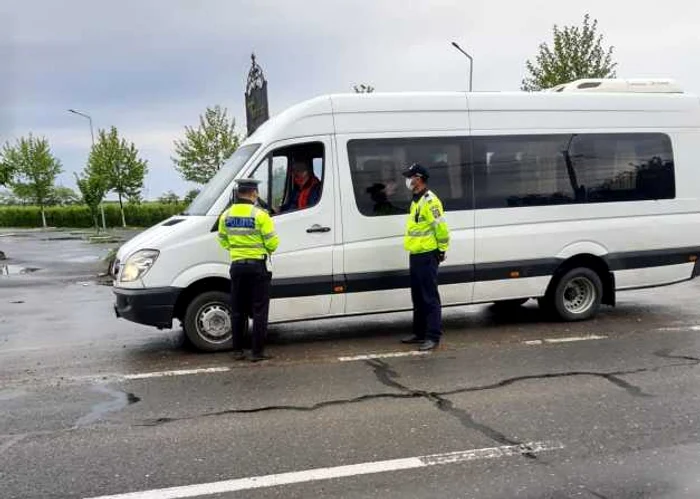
column 317, row 228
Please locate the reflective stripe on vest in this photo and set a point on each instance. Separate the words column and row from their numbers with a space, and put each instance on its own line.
column 420, row 236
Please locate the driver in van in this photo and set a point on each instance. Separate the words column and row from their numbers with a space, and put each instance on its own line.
column 306, row 188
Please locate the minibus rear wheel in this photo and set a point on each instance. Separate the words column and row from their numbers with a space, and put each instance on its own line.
column 576, row 295
column 207, row 321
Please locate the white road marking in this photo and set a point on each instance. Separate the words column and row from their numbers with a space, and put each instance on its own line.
column 154, row 374
column 575, row 338
column 257, row 482
column 180, row 372
column 681, row 328
column 387, row 355
column 568, row 339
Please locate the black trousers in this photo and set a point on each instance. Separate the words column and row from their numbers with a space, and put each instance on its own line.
column 250, row 295
column 427, row 309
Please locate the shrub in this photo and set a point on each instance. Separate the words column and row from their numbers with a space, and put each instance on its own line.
column 78, row 216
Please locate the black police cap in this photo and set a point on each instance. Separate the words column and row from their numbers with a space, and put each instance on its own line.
column 247, row 183
column 416, row 169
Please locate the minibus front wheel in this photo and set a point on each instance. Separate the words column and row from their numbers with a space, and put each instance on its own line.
column 207, row 321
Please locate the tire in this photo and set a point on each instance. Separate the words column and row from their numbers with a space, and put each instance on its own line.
column 576, row 295
column 207, row 322
column 509, row 305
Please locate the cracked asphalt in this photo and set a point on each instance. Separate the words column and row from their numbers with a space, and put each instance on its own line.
column 75, row 421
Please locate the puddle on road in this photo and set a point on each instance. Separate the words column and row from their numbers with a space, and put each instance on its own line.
column 15, row 234
column 10, row 270
column 104, row 240
column 63, row 238
column 119, row 401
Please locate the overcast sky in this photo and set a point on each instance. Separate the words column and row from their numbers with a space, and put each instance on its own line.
column 150, row 67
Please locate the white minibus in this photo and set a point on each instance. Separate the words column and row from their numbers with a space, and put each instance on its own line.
column 565, row 196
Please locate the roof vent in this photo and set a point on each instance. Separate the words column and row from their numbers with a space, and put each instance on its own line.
column 640, row 86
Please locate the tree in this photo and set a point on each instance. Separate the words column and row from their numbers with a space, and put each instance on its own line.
column 62, row 196
column 118, row 161
column 363, row 89
column 7, row 198
column 93, row 187
column 577, row 52
column 35, row 170
column 57, row 196
column 6, row 173
column 134, row 198
column 169, row 198
column 189, row 197
column 205, row 149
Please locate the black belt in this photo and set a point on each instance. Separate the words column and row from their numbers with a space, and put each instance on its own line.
column 249, row 261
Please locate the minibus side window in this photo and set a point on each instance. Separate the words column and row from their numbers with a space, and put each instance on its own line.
column 524, row 170
column 262, row 174
column 271, row 194
column 376, row 166
column 624, row 166
column 280, row 166
column 544, row 170
column 291, row 178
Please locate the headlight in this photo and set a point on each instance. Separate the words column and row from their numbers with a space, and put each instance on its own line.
column 137, row 265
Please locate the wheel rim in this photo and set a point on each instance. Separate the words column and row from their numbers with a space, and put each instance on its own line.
column 579, row 295
column 214, row 323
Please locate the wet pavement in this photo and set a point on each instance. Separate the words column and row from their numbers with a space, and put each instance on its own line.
column 91, row 405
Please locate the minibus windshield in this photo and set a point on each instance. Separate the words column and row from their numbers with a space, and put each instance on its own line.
column 211, row 192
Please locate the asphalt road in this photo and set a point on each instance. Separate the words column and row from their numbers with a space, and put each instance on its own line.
column 511, row 406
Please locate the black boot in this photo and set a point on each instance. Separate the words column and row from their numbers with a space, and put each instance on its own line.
column 413, row 339
column 259, row 357
column 428, row 345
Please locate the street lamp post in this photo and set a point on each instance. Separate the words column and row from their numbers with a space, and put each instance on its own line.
column 92, row 133
column 471, row 63
column 92, row 136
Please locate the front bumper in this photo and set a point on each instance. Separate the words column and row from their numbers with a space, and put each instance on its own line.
column 151, row 307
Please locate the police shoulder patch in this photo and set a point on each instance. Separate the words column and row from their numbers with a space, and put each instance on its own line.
column 435, row 211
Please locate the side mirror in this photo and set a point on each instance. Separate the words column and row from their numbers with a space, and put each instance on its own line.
column 231, row 199
column 263, row 204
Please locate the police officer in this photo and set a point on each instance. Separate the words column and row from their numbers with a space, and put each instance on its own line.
column 248, row 234
column 427, row 239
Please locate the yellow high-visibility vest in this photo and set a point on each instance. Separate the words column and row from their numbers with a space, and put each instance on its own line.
column 247, row 232
column 426, row 229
